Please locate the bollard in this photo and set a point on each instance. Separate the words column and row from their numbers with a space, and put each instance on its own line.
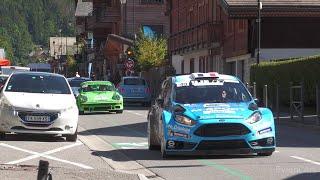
column 43, row 170
column 277, row 103
column 266, row 95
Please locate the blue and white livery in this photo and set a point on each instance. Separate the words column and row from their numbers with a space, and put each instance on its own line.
column 209, row 113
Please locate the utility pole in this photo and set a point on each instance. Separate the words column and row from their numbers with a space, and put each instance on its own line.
column 259, row 30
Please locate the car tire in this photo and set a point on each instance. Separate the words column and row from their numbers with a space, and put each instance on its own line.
column 152, row 144
column 265, row 154
column 119, row 111
column 72, row 137
column 164, row 154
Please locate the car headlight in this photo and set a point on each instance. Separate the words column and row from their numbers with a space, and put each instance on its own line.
column 116, row 97
column 255, row 117
column 83, row 98
column 184, row 120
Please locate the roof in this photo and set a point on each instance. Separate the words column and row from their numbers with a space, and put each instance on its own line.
column 186, row 78
column 38, row 73
column 97, row 83
column 273, row 8
column 84, row 9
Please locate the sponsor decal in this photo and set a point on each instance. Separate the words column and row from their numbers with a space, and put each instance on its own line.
column 179, row 128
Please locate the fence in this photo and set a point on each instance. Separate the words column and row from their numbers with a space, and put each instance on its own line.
column 289, row 102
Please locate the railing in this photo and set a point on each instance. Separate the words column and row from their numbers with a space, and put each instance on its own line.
column 206, row 33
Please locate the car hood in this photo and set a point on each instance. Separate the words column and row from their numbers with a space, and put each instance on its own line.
column 40, row 101
column 98, row 96
column 218, row 110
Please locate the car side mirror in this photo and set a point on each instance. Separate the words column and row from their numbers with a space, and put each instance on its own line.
column 160, row 102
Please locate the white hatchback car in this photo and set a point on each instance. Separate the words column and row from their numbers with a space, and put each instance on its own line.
column 38, row 103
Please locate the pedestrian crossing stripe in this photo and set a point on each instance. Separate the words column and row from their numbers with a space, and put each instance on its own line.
column 142, row 145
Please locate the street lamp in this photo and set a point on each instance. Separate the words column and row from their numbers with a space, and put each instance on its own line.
column 259, row 30
column 124, row 10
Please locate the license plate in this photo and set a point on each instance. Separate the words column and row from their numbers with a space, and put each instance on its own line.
column 38, row 118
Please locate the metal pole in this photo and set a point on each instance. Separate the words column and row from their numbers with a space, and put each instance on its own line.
column 277, row 103
column 43, row 170
column 291, row 100
column 259, row 31
column 318, row 101
column 254, row 89
column 266, row 95
column 302, row 102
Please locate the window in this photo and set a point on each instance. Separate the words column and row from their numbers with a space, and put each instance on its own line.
column 182, row 67
column 38, row 83
column 152, row 30
column 151, row 1
column 191, row 65
column 134, row 81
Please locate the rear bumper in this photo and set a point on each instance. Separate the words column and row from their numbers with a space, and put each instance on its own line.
column 136, row 99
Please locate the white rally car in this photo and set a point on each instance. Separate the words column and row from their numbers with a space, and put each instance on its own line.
column 38, row 103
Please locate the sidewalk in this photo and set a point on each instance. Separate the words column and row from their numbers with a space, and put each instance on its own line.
column 12, row 172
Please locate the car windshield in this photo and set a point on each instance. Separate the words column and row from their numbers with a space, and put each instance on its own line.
column 98, row 87
column 134, row 81
column 38, row 83
column 229, row 92
column 76, row 83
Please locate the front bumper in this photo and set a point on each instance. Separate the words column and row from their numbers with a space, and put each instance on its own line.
column 183, row 140
column 92, row 107
column 63, row 123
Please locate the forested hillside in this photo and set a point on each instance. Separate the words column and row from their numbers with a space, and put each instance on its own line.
column 25, row 23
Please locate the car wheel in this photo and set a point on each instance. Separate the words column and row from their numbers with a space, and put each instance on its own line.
column 72, row 137
column 152, row 142
column 265, row 154
column 119, row 111
column 2, row 135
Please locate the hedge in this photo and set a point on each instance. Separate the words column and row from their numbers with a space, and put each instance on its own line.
column 283, row 72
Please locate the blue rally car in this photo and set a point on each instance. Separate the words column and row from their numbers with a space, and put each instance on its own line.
column 209, row 113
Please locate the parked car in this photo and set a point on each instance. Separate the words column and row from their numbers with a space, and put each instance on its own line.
column 75, row 84
column 135, row 89
column 38, row 103
column 209, row 113
column 99, row 96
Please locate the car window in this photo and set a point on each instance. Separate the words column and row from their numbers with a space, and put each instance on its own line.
column 229, row 92
column 31, row 83
column 92, row 88
column 76, row 83
column 134, row 81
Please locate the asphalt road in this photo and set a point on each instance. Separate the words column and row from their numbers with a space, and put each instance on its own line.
column 104, row 139
column 297, row 155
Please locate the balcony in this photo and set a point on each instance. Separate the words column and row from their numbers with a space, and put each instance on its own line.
column 103, row 16
column 204, row 35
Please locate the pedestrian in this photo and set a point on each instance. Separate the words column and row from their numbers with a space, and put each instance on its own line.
column 77, row 74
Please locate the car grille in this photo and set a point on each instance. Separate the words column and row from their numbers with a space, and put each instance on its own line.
column 220, row 145
column 221, row 129
column 53, row 116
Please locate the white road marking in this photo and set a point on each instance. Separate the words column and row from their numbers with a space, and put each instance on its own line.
column 306, row 160
column 45, row 154
column 138, row 114
column 276, row 151
column 142, row 145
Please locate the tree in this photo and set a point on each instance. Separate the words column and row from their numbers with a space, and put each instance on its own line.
column 150, row 51
column 6, row 45
column 71, row 65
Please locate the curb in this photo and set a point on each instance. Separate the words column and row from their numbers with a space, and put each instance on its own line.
column 128, row 165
